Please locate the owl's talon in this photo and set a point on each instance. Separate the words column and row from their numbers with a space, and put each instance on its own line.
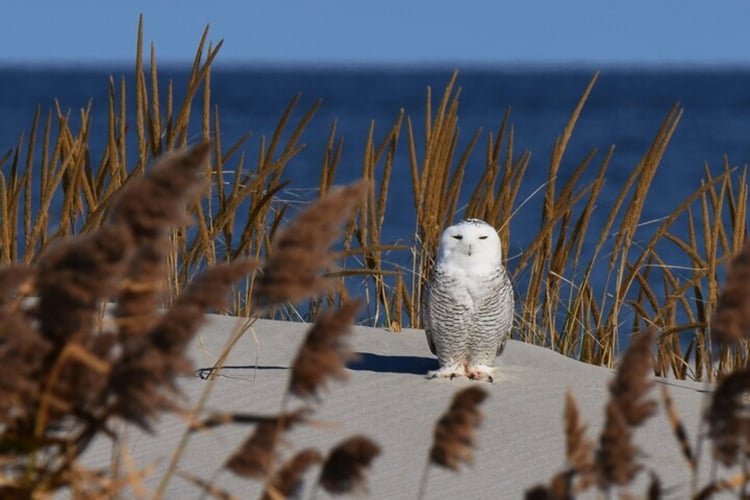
column 449, row 372
column 482, row 372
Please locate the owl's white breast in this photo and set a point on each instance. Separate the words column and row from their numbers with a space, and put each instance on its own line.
column 467, row 283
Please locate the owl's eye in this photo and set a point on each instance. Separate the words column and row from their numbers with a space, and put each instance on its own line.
column 483, row 237
column 458, row 236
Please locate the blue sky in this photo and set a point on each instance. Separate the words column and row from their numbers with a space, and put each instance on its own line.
column 383, row 31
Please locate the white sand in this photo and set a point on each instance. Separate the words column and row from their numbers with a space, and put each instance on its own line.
column 520, row 443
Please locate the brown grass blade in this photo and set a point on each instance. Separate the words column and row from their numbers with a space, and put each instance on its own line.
column 153, row 203
column 678, row 428
column 209, row 487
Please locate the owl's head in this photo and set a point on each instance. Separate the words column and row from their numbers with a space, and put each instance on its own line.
column 469, row 244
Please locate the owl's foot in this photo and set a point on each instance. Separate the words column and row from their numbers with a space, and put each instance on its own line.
column 481, row 372
column 449, row 372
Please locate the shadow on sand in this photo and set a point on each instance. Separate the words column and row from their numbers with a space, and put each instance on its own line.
column 416, row 365
column 367, row 361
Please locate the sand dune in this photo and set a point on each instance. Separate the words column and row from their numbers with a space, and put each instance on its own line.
column 388, row 399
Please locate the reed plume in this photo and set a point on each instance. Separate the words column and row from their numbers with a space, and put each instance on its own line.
column 343, row 469
column 144, row 376
column 560, row 488
column 721, row 485
column 616, row 456
column 301, row 251
column 632, row 383
column 627, row 408
column 208, row 291
column 257, row 454
column 287, row 482
column 655, row 490
column 23, row 352
column 731, row 320
column 75, row 276
column 455, row 431
column 15, row 280
column 324, row 353
column 578, row 448
column 540, row 492
column 728, row 418
column 150, row 206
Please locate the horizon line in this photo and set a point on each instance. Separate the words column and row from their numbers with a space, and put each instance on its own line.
column 499, row 65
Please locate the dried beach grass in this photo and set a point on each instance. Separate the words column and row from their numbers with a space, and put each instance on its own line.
column 241, row 212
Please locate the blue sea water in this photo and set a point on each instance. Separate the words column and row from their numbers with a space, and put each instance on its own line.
column 625, row 109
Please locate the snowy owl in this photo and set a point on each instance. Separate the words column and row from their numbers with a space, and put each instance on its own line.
column 468, row 302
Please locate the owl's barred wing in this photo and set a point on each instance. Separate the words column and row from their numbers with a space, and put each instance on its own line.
column 493, row 317
column 444, row 316
column 426, row 314
column 505, row 308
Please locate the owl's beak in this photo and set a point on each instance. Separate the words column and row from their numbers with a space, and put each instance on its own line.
column 469, row 250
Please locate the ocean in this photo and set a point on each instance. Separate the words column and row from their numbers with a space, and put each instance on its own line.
column 625, row 109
